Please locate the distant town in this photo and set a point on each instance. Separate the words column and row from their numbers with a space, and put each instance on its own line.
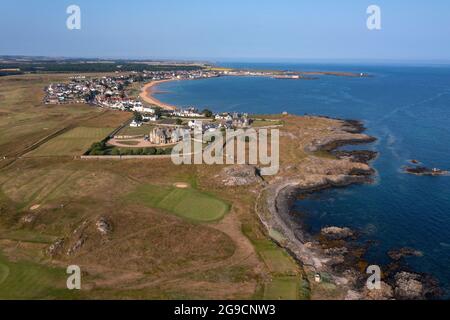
column 151, row 125
column 154, row 123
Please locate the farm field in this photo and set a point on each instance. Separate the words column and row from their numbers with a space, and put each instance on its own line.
column 25, row 119
column 72, row 143
column 187, row 203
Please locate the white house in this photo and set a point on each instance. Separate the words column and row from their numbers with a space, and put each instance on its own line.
column 135, row 124
column 153, row 117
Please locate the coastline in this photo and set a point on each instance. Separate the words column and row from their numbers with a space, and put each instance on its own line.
column 276, row 200
column 148, row 91
column 335, row 254
column 274, row 204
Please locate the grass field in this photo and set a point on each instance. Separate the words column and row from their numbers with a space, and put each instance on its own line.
column 282, row 288
column 136, row 131
column 27, row 280
column 187, row 203
column 265, row 123
column 72, row 143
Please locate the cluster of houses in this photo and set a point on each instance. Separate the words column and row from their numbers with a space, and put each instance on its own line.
column 105, row 91
column 171, row 135
column 190, row 112
column 109, row 91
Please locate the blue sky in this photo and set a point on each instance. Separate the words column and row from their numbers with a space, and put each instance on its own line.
column 231, row 29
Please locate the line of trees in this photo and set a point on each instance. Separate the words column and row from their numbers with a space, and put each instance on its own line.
column 102, row 149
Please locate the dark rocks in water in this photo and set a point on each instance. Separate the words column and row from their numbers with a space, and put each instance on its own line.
column 336, row 233
column 361, row 172
column 363, row 156
column 424, row 171
column 413, row 161
column 404, row 252
column 354, row 126
column 414, row 286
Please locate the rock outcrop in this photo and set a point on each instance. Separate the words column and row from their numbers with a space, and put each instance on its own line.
column 404, row 252
column 336, row 233
column 104, row 226
column 240, row 175
column 414, row 286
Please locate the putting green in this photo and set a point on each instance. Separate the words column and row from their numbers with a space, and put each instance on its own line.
column 187, row 203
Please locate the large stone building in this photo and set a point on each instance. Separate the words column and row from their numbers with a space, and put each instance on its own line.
column 161, row 135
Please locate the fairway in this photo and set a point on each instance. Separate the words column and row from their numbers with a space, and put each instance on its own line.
column 187, row 203
column 26, row 280
column 72, row 143
column 282, row 288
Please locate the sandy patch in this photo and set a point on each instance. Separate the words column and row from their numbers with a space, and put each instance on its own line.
column 147, row 95
column 181, row 185
column 35, row 207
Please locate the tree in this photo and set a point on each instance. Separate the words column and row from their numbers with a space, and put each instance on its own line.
column 115, row 152
column 137, row 117
column 179, row 122
column 158, row 112
column 139, row 152
column 207, row 113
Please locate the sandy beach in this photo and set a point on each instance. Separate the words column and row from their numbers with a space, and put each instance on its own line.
column 147, row 95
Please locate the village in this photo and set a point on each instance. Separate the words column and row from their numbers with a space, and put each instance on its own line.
column 151, row 125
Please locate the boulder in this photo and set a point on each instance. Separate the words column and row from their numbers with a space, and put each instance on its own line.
column 408, row 286
column 29, row 218
column 104, row 226
column 336, row 233
column 55, row 248
column 384, row 293
column 404, row 252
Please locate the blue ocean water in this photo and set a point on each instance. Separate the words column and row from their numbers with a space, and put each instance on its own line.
column 406, row 107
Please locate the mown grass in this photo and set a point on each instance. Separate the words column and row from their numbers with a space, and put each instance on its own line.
column 72, row 143
column 187, row 203
column 282, row 288
column 27, row 280
column 286, row 282
column 264, row 123
column 136, row 131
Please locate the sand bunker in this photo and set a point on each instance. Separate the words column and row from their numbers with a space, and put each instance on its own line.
column 181, row 185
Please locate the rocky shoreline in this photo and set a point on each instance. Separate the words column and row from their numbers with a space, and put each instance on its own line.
column 333, row 254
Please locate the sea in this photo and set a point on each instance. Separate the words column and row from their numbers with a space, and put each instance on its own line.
column 406, row 107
